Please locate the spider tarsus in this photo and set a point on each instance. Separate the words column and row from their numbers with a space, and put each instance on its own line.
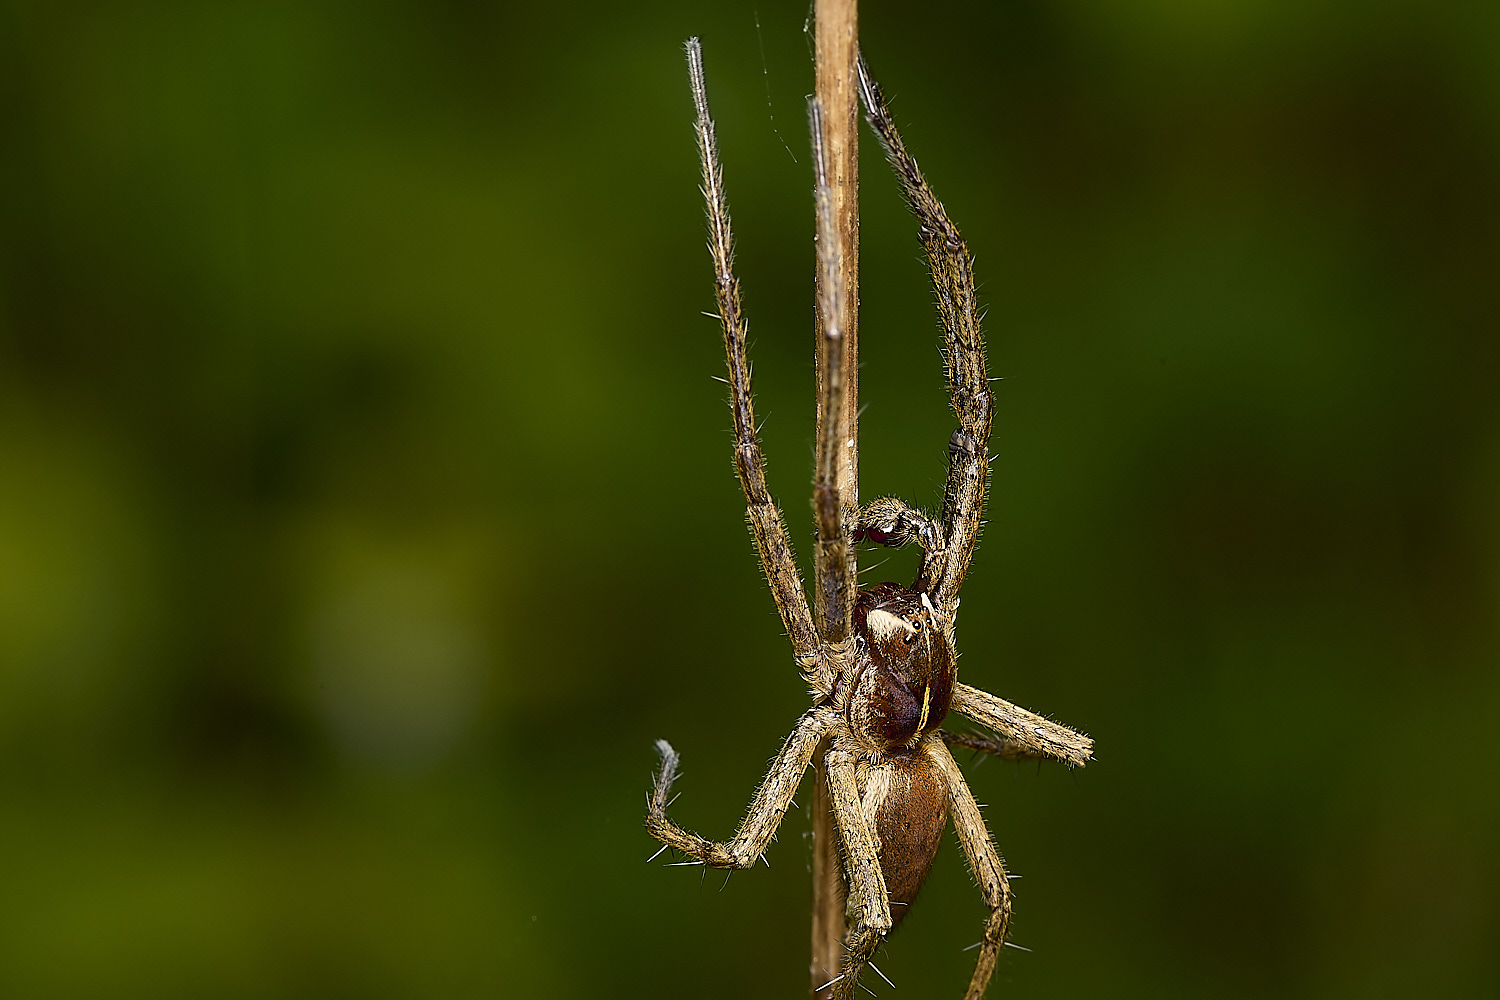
column 665, row 776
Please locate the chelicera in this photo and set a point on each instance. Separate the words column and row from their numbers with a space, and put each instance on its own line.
column 880, row 661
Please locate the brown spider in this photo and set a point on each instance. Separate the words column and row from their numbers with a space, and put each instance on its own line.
column 880, row 661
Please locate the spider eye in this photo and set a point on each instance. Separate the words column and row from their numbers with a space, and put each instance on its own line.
column 889, row 633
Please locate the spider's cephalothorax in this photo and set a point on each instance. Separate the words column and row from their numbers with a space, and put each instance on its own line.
column 880, row 661
column 904, row 669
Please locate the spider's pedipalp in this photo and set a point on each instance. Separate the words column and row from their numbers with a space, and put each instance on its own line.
column 889, row 521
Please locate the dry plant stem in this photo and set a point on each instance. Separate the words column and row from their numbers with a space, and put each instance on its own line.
column 836, row 47
column 835, row 543
column 836, row 101
column 837, row 53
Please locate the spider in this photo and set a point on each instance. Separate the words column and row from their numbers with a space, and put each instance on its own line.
column 880, row 661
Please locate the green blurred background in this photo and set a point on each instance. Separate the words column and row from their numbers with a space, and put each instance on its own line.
column 366, row 506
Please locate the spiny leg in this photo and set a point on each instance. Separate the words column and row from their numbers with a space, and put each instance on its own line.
column 968, row 375
column 991, row 746
column 766, row 809
column 1030, row 736
column 868, row 899
column 834, row 567
column 984, row 863
column 766, row 522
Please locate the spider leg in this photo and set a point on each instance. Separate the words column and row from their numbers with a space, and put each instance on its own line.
column 993, row 746
column 868, row 902
column 834, row 488
column 765, row 518
column 766, row 809
column 943, row 573
column 984, row 862
column 1023, row 735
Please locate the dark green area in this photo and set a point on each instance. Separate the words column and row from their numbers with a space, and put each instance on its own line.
column 366, row 507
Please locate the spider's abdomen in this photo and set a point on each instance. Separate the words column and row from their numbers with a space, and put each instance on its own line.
column 906, row 805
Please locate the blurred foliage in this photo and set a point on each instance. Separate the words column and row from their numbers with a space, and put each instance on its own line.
column 366, row 506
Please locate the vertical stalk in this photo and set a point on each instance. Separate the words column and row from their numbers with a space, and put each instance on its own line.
column 836, row 47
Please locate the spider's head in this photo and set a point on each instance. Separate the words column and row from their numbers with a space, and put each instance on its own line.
column 907, row 670
column 901, row 628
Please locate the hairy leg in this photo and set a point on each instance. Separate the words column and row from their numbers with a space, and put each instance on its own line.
column 766, row 521
column 868, row 903
column 968, row 375
column 1028, row 735
column 993, row 746
column 766, row 809
column 984, row 862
